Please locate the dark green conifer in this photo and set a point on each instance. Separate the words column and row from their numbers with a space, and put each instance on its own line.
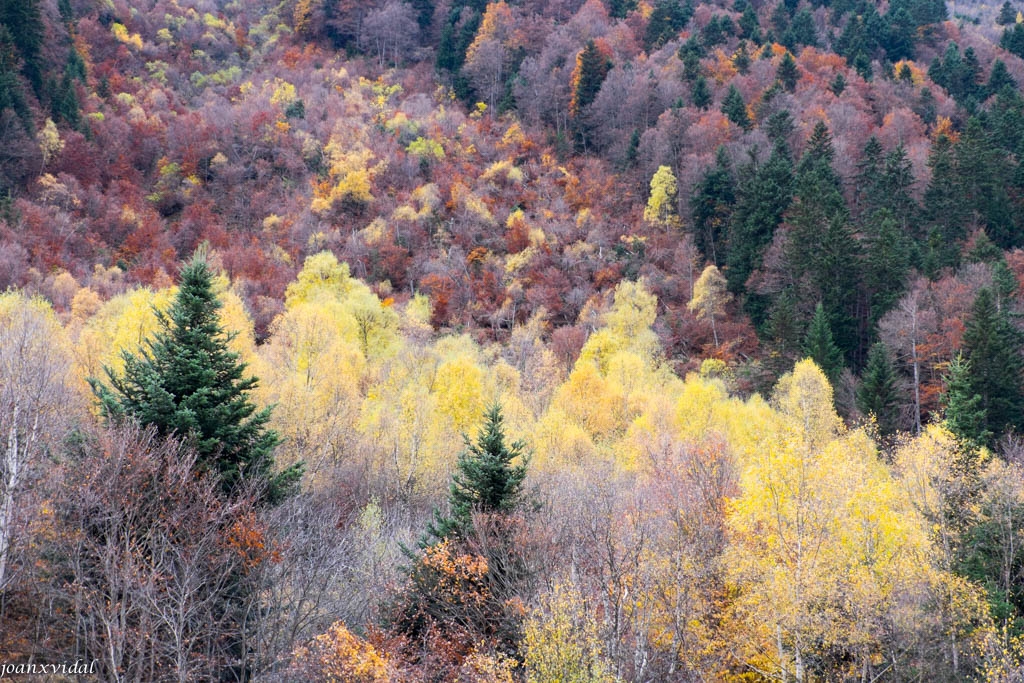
column 701, row 93
column 999, row 78
column 964, row 413
column 838, row 85
column 763, row 192
column 878, row 393
column 187, row 383
column 24, row 20
column 787, row 73
column 820, row 347
column 993, row 345
column 593, row 68
column 711, row 208
column 1007, row 14
column 735, row 109
column 487, row 481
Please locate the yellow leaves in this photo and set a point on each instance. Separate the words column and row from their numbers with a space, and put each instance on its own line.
column 351, row 177
column 338, row 655
column 562, row 641
column 661, row 206
column 121, row 33
column 321, row 276
column 426, row 149
column 459, row 389
column 804, row 398
column 49, row 141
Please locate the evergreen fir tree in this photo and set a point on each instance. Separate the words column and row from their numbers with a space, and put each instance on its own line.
column 689, row 54
column 787, row 73
column 784, row 331
column 187, row 383
column 1007, row 14
column 878, row 393
column 999, row 78
column 700, row 95
column 984, row 170
column 801, row 31
column 735, row 109
column 711, row 207
column 763, row 192
column 487, row 481
column 886, row 264
column 12, row 95
column 1012, row 40
column 838, row 85
column 964, row 413
column 749, row 26
column 819, row 346
column 741, row 58
column 591, row 69
column 993, row 345
column 944, row 201
column 24, row 20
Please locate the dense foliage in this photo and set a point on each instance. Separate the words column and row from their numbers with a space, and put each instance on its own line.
column 740, row 281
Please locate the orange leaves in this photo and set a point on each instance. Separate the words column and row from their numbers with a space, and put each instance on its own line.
column 459, row 577
column 247, row 539
column 943, row 126
column 338, row 655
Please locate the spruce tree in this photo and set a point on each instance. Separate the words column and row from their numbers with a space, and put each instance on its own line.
column 993, row 345
column 878, row 393
column 700, row 95
column 787, row 73
column 763, row 192
column 24, row 20
column 819, row 346
column 944, row 201
column 487, row 481
column 187, row 383
column 591, row 69
column 964, row 413
column 1007, row 14
column 12, row 95
column 711, row 207
column 735, row 109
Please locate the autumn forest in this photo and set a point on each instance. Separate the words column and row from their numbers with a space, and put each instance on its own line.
column 528, row 341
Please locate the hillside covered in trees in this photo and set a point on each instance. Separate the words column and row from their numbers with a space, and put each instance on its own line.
column 534, row 340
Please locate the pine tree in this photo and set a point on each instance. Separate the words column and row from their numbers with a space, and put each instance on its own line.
column 741, row 58
column 487, row 481
column 187, row 383
column 999, row 78
column 711, row 207
column 749, row 26
column 735, row 109
column 819, row 346
column 12, row 95
column 838, row 85
column 996, row 373
column 1007, row 14
column 964, row 413
column 700, row 95
column 944, row 201
column 800, row 31
column 878, row 393
column 24, row 20
column 886, row 263
column 787, row 73
column 763, row 192
column 591, row 69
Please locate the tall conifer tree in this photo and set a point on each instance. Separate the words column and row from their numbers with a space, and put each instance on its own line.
column 187, row 383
